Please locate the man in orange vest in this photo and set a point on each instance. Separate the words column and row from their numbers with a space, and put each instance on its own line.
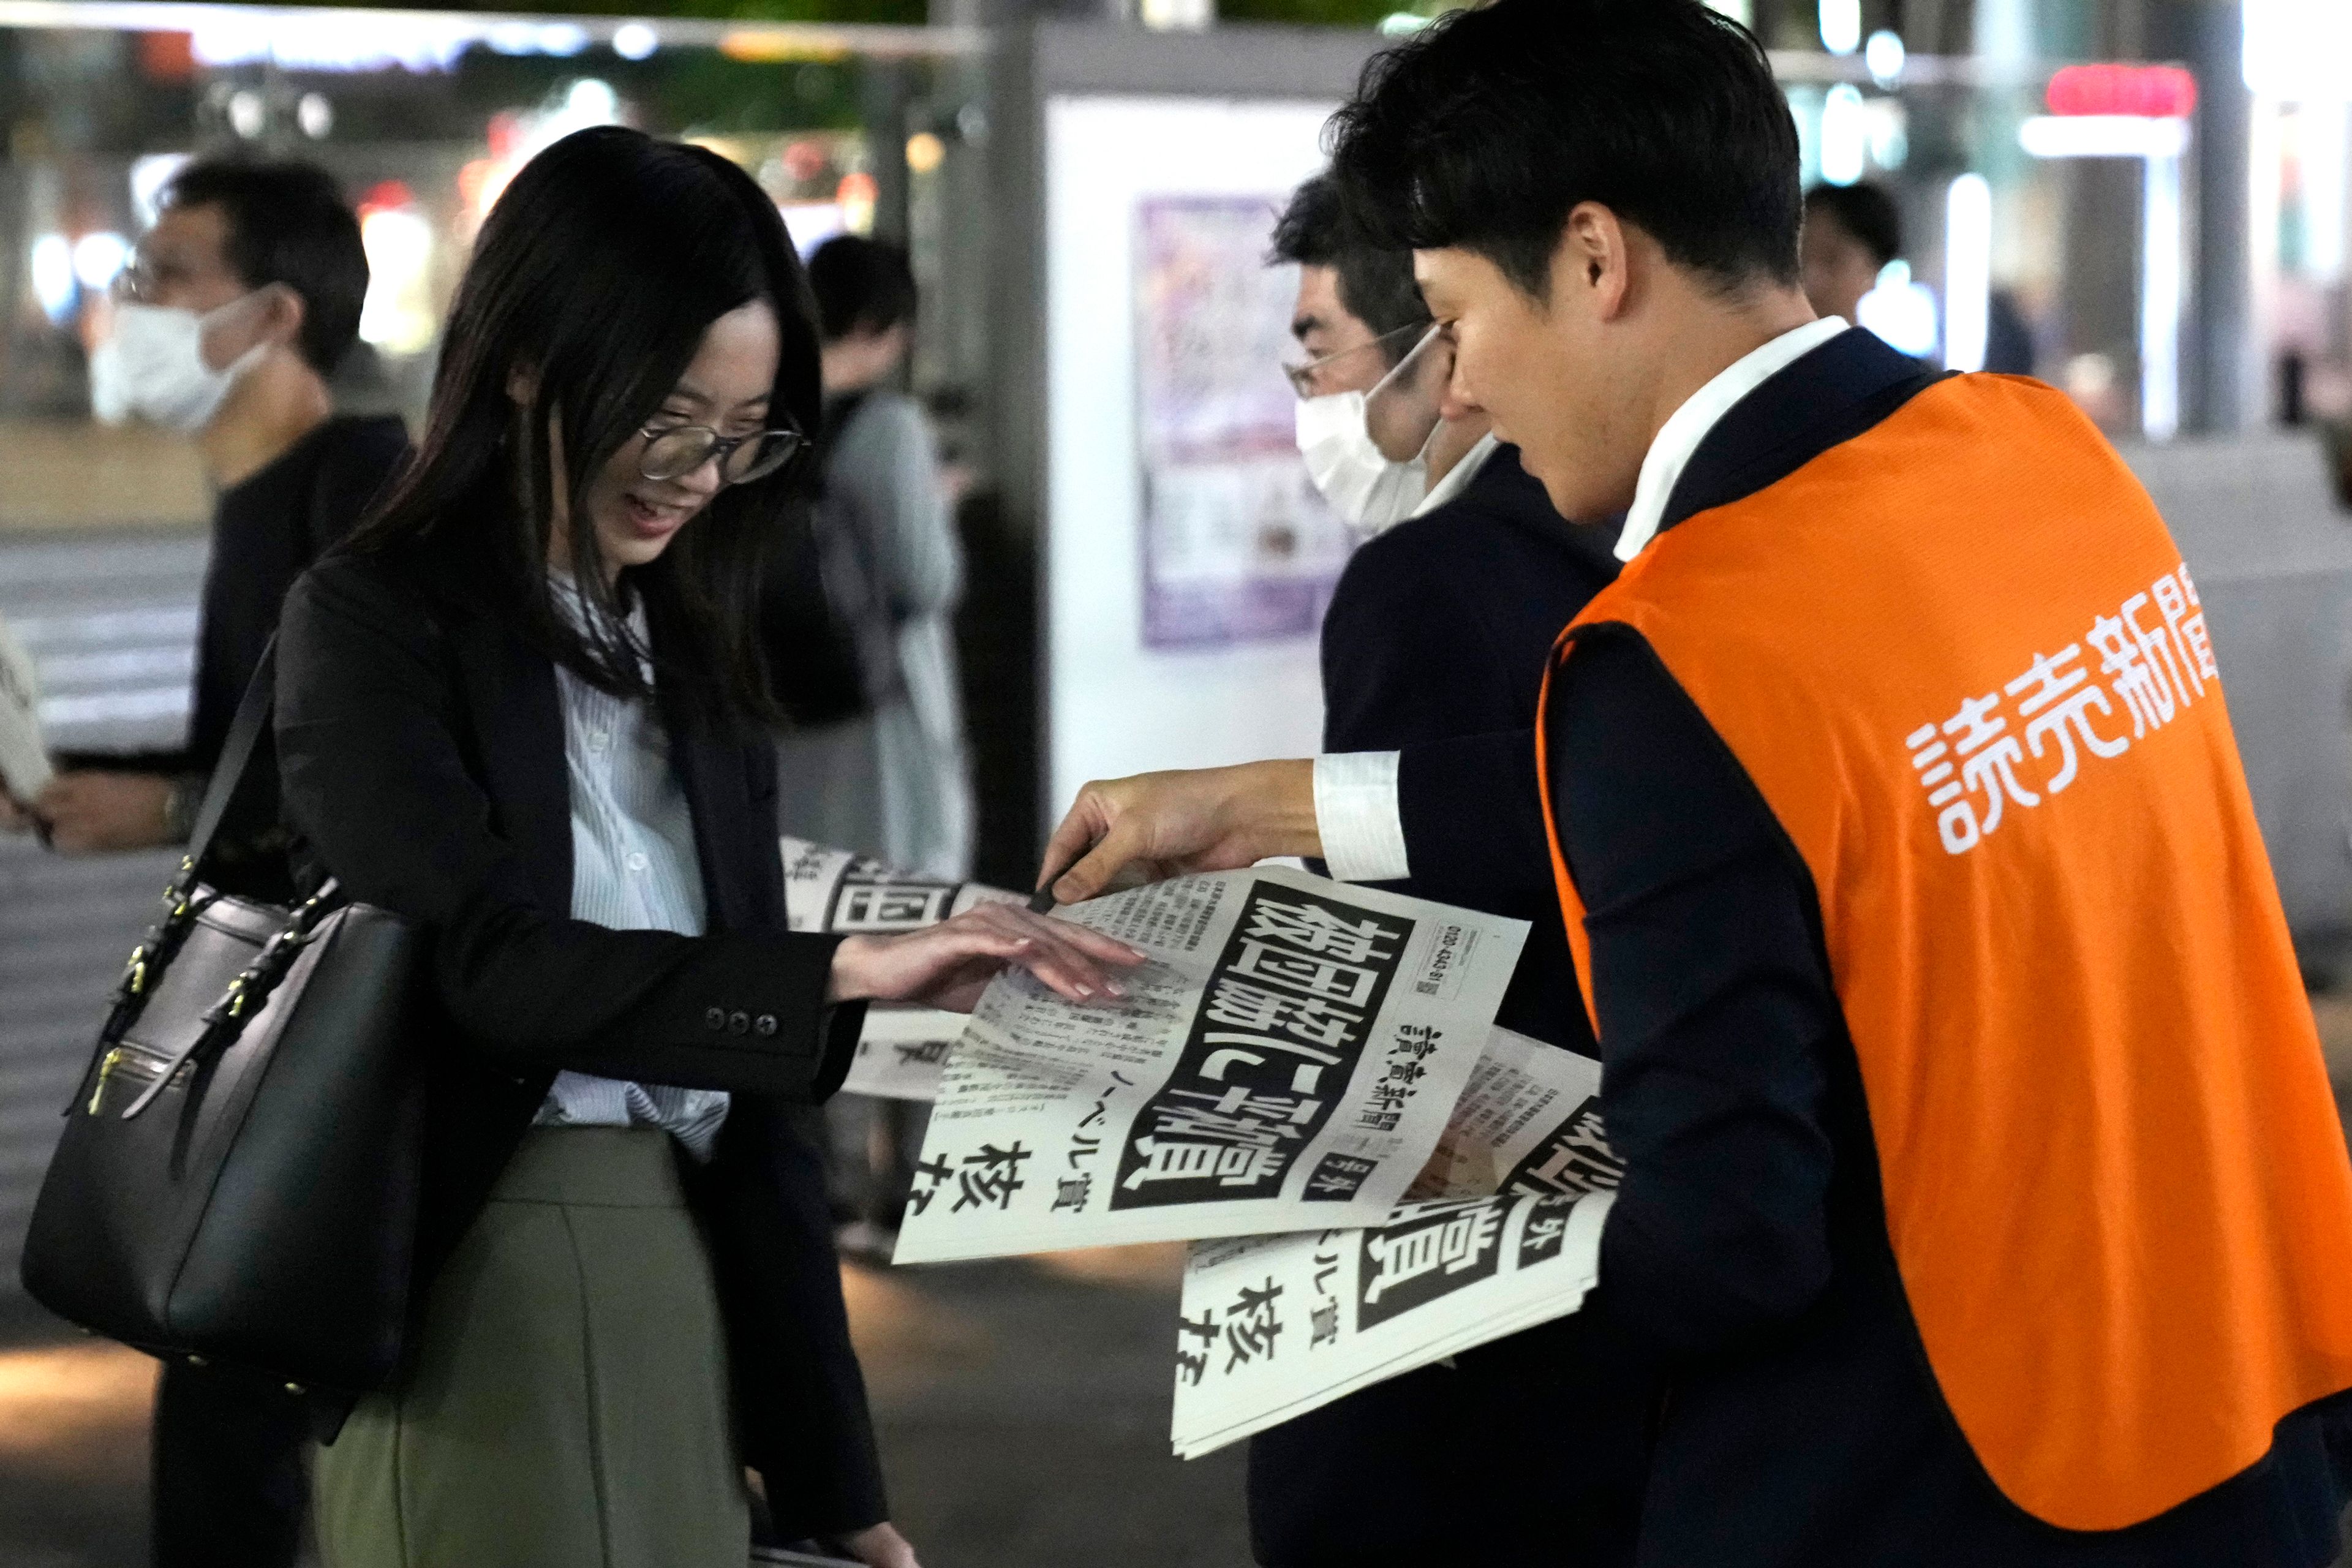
column 1984, row 1198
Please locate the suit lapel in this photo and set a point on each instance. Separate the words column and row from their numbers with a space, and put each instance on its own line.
column 519, row 718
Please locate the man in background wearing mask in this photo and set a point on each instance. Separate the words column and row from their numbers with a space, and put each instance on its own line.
column 1440, row 628
column 241, row 301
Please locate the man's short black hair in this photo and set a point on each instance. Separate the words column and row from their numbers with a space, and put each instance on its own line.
column 1864, row 212
column 1485, row 130
column 1375, row 284
column 862, row 285
column 289, row 223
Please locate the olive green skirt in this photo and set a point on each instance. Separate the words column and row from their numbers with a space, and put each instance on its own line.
column 567, row 1404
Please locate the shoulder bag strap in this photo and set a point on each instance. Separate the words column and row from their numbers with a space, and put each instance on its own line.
column 253, row 716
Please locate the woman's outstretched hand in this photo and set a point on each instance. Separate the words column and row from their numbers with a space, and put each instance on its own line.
column 949, row 964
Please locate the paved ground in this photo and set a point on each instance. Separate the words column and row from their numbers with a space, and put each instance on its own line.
column 1022, row 1408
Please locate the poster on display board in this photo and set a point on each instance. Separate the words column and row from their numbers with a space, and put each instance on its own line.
column 1237, row 545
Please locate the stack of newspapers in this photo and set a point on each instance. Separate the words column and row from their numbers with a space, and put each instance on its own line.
column 1304, row 1082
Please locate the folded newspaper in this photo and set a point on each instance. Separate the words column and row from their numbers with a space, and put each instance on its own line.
column 23, row 755
column 902, row 1048
column 1272, row 1327
column 1285, row 1061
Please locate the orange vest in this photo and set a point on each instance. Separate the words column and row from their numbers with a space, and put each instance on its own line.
column 1962, row 662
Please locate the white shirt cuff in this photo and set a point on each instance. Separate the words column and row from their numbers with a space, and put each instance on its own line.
column 1355, row 813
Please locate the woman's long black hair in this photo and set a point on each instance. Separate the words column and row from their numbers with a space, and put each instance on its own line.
column 592, row 284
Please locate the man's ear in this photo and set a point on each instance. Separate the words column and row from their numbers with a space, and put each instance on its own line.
column 522, row 385
column 280, row 313
column 272, row 314
column 1594, row 262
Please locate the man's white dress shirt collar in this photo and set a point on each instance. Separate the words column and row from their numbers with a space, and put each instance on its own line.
column 1688, row 425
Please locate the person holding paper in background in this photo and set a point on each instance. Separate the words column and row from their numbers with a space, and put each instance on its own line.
column 1984, row 1200
column 1440, row 628
column 241, row 301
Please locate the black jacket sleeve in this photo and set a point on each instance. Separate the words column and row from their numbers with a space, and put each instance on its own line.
column 1715, row 1009
column 807, row 1430
column 376, row 781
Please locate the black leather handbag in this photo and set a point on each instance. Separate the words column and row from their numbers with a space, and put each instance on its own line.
column 238, row 1181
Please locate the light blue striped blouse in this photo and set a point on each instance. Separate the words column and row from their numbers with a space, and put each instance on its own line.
column 634, row 867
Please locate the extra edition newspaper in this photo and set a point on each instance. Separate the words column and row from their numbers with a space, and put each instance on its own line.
column 902, row 1048
column 1287, row 1061
column 1273, row 1327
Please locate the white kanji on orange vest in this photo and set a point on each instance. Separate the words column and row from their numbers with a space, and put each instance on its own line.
column 1989, row 756
column 2158, row 654
column 2054, row 677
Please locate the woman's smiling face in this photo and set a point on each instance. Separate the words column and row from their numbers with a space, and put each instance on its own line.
column 727, row 387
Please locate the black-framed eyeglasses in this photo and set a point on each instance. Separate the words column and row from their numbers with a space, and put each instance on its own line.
column 1302, row 376
column 674, row 451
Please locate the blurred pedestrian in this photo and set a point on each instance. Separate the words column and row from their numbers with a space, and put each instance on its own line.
column 1440, row 630
column 1851, row 233
column 237, row 309
column 524, row 707
column 1984, row 1200
column 892, row 782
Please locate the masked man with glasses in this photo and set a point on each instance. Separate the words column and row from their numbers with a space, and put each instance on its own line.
column 1438, row 631
column 242, row 300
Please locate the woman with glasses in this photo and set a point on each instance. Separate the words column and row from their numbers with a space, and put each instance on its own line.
column 525, row 709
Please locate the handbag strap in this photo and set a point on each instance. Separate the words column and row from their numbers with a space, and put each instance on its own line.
column 253, row 715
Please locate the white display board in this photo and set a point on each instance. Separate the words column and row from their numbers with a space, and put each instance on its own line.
column 1114, row 705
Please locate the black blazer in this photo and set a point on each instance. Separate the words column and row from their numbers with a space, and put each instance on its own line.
column 421, row 741
column 1530, row 1450
column 1439, row 630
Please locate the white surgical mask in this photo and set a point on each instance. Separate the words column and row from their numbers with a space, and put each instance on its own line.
column 153, row 366
column 1365, row 486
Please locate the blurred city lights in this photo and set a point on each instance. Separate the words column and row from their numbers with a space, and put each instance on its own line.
column 397, row 315
column 53, row 276
column 591, row 100
column 1841, row 26
column 1884, row 54
column 1967, row 271
column 857, row 194
column 149, row 175
column 1900, row 310
column 1845, row 134
column 248, row 114
column 2161, row 290
column 1890, row 131
column 2158, row 143
column 2299, row 49
column 635, row 41
column 925, row 153
column 2157, row 91
column 315, row 115
column 1739, row 11
column 1177, row 16
column 811, row 223
column 2102, row 136
column 416, row 42
column 2321, row 129
column 98, row 257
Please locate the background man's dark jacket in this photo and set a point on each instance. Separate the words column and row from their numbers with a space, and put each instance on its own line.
column 1530, row 1450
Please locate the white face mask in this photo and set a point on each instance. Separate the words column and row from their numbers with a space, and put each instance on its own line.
column 153, row 366
column 1347, row 461
column 1368, row 490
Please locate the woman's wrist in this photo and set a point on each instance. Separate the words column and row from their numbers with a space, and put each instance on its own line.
column 851, row 977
